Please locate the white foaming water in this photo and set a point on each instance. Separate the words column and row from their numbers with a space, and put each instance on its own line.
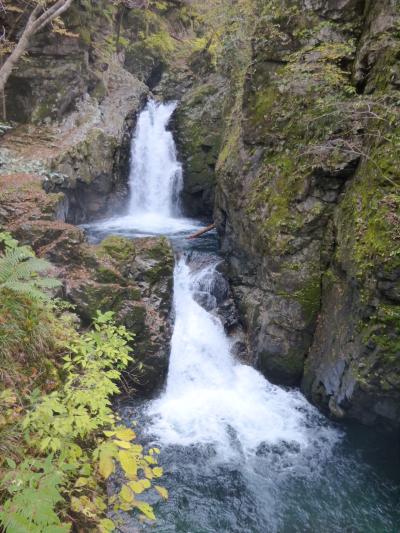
column 212, row 399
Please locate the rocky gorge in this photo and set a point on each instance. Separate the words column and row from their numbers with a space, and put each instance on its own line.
column 286, row 130
column 290, row 141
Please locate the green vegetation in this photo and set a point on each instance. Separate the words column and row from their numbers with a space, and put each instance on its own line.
column 59, row 438
column 19, row 269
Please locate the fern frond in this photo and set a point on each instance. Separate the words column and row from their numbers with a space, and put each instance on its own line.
column 25, row 287
column 19, row 272
column 25, row 269
column 11, row 259
column 47, row 283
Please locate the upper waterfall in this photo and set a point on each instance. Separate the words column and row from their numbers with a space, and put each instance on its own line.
column 155, row 178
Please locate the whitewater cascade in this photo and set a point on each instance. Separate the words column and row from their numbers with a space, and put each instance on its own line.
column 211, row 398
column 155, row 178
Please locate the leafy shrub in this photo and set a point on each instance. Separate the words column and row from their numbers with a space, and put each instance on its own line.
column 77, row 442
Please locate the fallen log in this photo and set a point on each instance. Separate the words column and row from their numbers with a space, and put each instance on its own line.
column 202, row 232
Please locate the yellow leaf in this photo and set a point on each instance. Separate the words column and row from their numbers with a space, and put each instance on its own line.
column 136, row 486
column 148, row 472
column 145, row 508
column 139, row 486
column 122, row 444
column 137, row 448
column 106, row 464
column 106, row 525
column 163, row 492
column 158, row 471
column 150, row 460
column 125, row 507
column 81, row 482
column 128, row 463
column 146, row 483
column 125, row 434
column 109, row 433
column 152, row 451
column 126, row 494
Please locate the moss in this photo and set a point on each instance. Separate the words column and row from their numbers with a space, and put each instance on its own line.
column 271, row 201
column 85, row 36
column 104, row 297
column 105, row 274
column 381, row 76
column 158, row 273
column 135, row 320
column 309, row 297
column 263, row 100
column 230, row 146
column 382, row 329
column 161, row 251
column 99, row 91
column 200, row 93
column 369, row 216
column 133, row 294
column 118, row 248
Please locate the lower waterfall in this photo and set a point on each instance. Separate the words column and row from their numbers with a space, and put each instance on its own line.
column 212, row 399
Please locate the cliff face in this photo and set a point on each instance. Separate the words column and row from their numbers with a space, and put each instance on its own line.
column 307, row 203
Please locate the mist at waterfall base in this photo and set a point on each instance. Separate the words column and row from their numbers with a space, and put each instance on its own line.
column 239, row 454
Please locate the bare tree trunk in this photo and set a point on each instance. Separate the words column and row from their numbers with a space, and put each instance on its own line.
column 13, row 58
column 35, row 23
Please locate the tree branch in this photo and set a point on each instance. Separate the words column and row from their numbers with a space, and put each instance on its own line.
column 35, row 23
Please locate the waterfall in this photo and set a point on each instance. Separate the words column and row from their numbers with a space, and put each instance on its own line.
column 155, row 178
column 155, row 181
column 211, row 398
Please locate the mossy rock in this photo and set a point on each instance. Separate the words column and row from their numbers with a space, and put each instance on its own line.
column 118, row 248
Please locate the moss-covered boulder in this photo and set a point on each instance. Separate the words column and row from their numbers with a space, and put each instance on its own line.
column 134, row 280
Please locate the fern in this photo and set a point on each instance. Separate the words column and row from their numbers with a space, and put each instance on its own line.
column 35, row 485
column 20, row 269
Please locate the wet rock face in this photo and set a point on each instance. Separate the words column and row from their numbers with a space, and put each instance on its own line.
column 86, row 156
column 197, row 125
column 93, row 170
column 308, row 226
column 337, row 10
